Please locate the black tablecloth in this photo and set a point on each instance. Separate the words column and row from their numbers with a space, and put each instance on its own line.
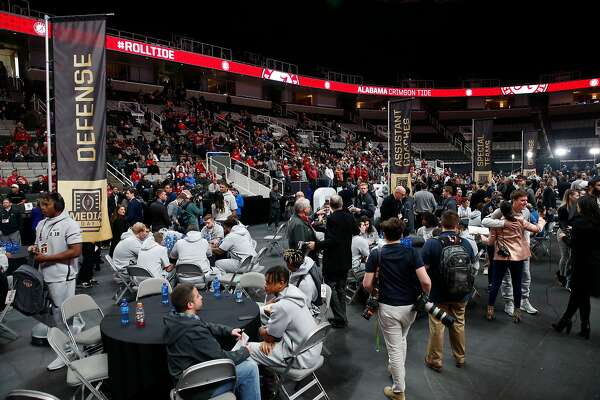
column 137, row 357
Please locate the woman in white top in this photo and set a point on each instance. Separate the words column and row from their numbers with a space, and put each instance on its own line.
column 367, row 231
column 220, row 211
column 429, row 224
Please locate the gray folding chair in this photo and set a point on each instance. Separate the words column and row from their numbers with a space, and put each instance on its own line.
column 151, row 286
column 274, row 239
column 288, row 373
column 126, row 285
column 88, row 340
column 7, row 335
column 253, row 282
column 83, row 373
column 23, row 394
column 231, row 277
column 209, row 373
column 191, row 273
column 257, row 259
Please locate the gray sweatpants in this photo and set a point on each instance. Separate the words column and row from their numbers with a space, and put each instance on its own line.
column 507, row 288
column 59, row 292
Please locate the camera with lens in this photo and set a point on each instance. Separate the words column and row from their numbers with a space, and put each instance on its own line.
column 503, row 252
column 424, row 305
column 372, row 304
column 303, row 246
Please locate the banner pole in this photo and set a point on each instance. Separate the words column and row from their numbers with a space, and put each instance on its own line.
column 48, row 126
column 473, row 151
column 389, row 168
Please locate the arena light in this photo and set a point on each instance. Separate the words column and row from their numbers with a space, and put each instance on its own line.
column 595, row 151
column 560, row 151
column 529, row 154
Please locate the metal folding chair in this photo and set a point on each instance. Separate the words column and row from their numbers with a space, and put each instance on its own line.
column 196, row 378
column 190, row 273
column 274, row 239
column 88, row 340
column 151, row 286
column 83, row 373
column 126, row 285
column 23, row 394
column 231, row 277
column 256, row 281
column 288, row 373
column 7, row 335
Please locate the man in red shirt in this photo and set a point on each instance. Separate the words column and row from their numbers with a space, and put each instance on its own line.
column 12, row 179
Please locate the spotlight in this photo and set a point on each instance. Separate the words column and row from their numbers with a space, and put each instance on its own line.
column 529, row 154
column 560, row 151
column 594, row 151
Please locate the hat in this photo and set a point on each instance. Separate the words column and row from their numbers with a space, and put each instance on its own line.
column 14, row 185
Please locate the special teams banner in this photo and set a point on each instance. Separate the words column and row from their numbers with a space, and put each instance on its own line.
column 399, row 143
column 80, row 121
column 529, row 152
column 482, row 150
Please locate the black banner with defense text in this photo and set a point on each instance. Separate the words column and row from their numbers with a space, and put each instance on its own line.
column 529, row 152
column 80, row 121
column 399, row 139
column 482, row 150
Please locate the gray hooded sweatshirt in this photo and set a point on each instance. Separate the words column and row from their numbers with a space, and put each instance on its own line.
column 307, row 284
column 292, row 322
column 238, row 243
column 192, row 249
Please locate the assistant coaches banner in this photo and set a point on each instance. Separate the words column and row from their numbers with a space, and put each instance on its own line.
column 482, row 150
column 80, row 121
column 529, row 152
column 399, row 143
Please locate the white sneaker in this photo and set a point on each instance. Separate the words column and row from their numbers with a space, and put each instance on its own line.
column 528, row 308
column 509, row 308
column 56, row 364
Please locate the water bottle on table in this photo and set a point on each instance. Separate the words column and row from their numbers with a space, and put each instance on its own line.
column 165, row 293
column 238, row 294
column 216, row 285
column 124, row 313
column 139, row 315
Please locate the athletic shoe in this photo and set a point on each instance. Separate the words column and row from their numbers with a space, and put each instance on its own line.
column 56, row 364
column 390, row 394
column 528, row 308
column 509, row 308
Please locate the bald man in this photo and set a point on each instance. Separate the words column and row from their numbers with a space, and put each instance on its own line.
column 392, row 205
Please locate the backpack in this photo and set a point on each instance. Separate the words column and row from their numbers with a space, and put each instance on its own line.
column 456, row 267
column 31, row 295
column 317, row 278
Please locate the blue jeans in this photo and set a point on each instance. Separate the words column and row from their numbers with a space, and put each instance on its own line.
column 247, row 386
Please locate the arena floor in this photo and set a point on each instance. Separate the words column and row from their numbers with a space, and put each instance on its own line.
column 504, row 360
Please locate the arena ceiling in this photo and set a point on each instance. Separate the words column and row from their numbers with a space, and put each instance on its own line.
column 384, row 41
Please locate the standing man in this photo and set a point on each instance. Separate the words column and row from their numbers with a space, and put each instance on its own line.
column 337, row 257
column 135, row 210
column 229, row 198
column 159, row 217
column 10, row 223
column 363, row 203
column 432, row 258
column 392, row 205
column 57, row 247
column 424, row 203
column 449, row 203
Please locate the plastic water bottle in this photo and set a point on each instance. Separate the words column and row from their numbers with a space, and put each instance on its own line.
column 165, row 293
column 238, row 295
column 124, row 313
column 216, row 285
column 139, row 315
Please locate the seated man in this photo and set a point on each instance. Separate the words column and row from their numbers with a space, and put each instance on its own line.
column 154, row 257
column 190, row 341
column 127, row 250
column 211, row 231
column 237, row 242
column 289, row 324
column 306, row 276
column 193, row 249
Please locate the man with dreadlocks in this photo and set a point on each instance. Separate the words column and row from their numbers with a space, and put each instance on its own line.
column 306, row 276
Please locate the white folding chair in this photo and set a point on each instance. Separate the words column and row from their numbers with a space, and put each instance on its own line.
column 191, row 273
column 151, row 286
column 138, row 274
column 274, row 239
column 253, row 280
column 7, row 335
column 126, row 285
column 83, row 373
column 326, row 302
column 89, row 338
column 23, row 394
column 234, row 278
column 288, row 373
column 197, row 377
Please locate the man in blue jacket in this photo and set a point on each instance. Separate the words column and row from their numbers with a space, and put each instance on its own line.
column 135, row 209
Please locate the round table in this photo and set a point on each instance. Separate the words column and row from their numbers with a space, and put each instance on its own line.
column 137, row 357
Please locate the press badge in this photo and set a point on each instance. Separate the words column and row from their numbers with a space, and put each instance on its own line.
column 5, row 220
column 323, row 291
column 44, row 248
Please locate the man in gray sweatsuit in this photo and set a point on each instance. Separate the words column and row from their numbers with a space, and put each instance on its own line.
column 494, row 221
column 289, row 325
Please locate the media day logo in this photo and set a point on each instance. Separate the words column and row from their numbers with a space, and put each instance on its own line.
column 527, row 89
column 40, row 28
column 87, row 209
column 144, row 49
column 279, row 76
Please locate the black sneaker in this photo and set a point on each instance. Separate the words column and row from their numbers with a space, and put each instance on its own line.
column 84, row 285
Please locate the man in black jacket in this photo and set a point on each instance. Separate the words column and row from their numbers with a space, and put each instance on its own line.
column 191, row 340
column 363, row 203
column 10, row 222
column 158, row 216
column 337, row 257
column 392, row 205
column 135, row 209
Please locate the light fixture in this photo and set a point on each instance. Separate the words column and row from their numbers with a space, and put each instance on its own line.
column 595, row 151
column 529, row 154
column 512, row 156
column 560, row 151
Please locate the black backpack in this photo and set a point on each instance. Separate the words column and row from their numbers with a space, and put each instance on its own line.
column 317, row 278
column 31, row 295
column 456, row 267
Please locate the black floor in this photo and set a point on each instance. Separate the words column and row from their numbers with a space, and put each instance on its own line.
column 504, row 360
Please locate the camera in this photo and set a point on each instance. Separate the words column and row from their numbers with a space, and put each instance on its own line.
column 303, row 246
column 372, row 305
column 503, row 252
column 424, row 305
